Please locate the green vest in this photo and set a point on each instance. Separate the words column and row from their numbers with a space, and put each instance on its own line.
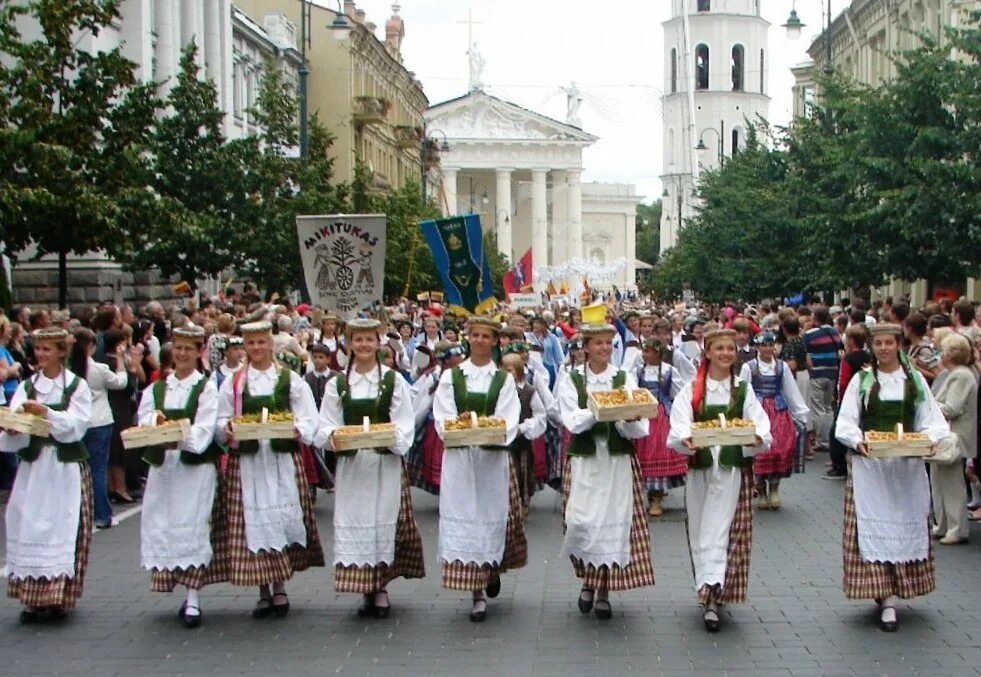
column 730, row 456
column 68, row 452
column 277, row 401
column 482, row 404
column 377, row 409
column 883, row 415
column 584, row 443
column 155, row 455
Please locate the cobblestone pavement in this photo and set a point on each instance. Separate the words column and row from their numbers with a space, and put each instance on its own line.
column 797, row 621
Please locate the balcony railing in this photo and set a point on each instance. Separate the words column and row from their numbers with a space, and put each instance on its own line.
column 407, row 136
column 371, row 110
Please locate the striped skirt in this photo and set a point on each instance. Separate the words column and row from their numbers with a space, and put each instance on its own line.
column 62, row 591
column 739, row 551
column 196, row 578
column 249, row 568
column 640, row 571
column 878, row 580
column 408, row 561
column 779, row 460
column 459, row 576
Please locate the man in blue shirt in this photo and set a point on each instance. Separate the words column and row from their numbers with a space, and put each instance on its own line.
column 824, row 349
column 544, row 342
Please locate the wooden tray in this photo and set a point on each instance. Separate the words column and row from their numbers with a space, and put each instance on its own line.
column 712, row 437
column 279, row 430
column 149, row 436
column 27, row 424
column 622, row 412
column 894, row 448
column 475, row 437
column 373, row 439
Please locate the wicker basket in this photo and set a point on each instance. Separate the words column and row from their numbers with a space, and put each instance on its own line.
column 28, row 424
column 170, row 433
column 623, row 412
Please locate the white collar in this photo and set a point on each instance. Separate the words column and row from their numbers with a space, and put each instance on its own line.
column 44, row 385
column 370, row 377
column 269, row 373
column 228, row 371
column 711, row 385
column 183, row 383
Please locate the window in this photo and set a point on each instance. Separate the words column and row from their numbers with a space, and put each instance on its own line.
column 674, row 70
column 237, row 89
column 762, row 71
column 738, row 67
column 671, row 148
column 735, row 141
column 704, row 5
column 702, row 67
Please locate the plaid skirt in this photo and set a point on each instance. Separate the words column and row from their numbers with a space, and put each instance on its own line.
column 196, row 578
column 556, row 442
column 740, row 548
column 640, row 571
column 459, row 576
column 657, row 460
column 62, row 591
column 249, row 568
column 878, row 580
column 408, row 561
column 778, row 461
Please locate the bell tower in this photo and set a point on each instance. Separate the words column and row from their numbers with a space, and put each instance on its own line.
column 715, row 61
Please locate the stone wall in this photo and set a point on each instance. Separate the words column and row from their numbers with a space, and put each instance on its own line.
column 89, row 283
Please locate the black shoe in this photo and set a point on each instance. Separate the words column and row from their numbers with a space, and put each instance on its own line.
column 494, row 586
column 604, row 611
column 585, row 605
column 103, row 525
column 281, row 609
column 30, row 615
column 382, row 612
column 263, row 608
column 367, row 608
column 834, row 474
column 711, row 620
column 119, row 498
column 189, row 620
column 55, row 613
column 478, row 616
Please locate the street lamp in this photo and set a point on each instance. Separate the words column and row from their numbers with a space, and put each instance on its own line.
column 722, row 141
column 340, row 26
column 794, row 26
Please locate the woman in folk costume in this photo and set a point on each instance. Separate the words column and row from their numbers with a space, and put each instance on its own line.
column 424, row 461
column 606, row 534
column 662, row 468
column 719, row 488
column 776, row 389
column 481, row 534
column 376, row 538
column 330, row 337
column 531, row 427
column 49, row 512
column 182, row 533
column 887, row 554
column 272, row 532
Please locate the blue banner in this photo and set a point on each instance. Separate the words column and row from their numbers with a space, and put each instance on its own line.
column 457, row 245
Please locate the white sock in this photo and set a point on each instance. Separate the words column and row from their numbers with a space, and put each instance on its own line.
column 975, row 493
column 192, row 606
column 889, row 609
column 712, row 608
column 586, row 595
column 279, row 588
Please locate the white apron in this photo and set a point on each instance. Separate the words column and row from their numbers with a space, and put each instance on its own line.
column 473, row 505
column 176, row 523
column 892, row 504
column 366, row 508
column 711, row 497
column 271, row 500
column 42, row 517
column 600, row 508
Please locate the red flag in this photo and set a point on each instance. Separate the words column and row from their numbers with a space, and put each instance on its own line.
column 519, row 276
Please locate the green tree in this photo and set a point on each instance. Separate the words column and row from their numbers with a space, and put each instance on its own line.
column 73, row 126
column 649, row 232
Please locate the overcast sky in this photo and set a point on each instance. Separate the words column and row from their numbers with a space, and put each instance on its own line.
column 613, row 50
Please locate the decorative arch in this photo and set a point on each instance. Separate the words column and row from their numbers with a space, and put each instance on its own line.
column 701, row 67
column 738, row 67
column 598, row 254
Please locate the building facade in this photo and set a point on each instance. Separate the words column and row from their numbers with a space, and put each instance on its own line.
column 862, row 37
column 521, row 171
column 232, row 48
column 715, row 56
column 361, row 90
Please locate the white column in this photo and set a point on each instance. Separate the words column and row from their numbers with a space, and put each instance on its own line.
column 212, row 45
column 539, row 219
column 448, row 192
column 227, row 64
column 167, row 49
column 574, row 191
column 630, row 228
column 502, row 201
